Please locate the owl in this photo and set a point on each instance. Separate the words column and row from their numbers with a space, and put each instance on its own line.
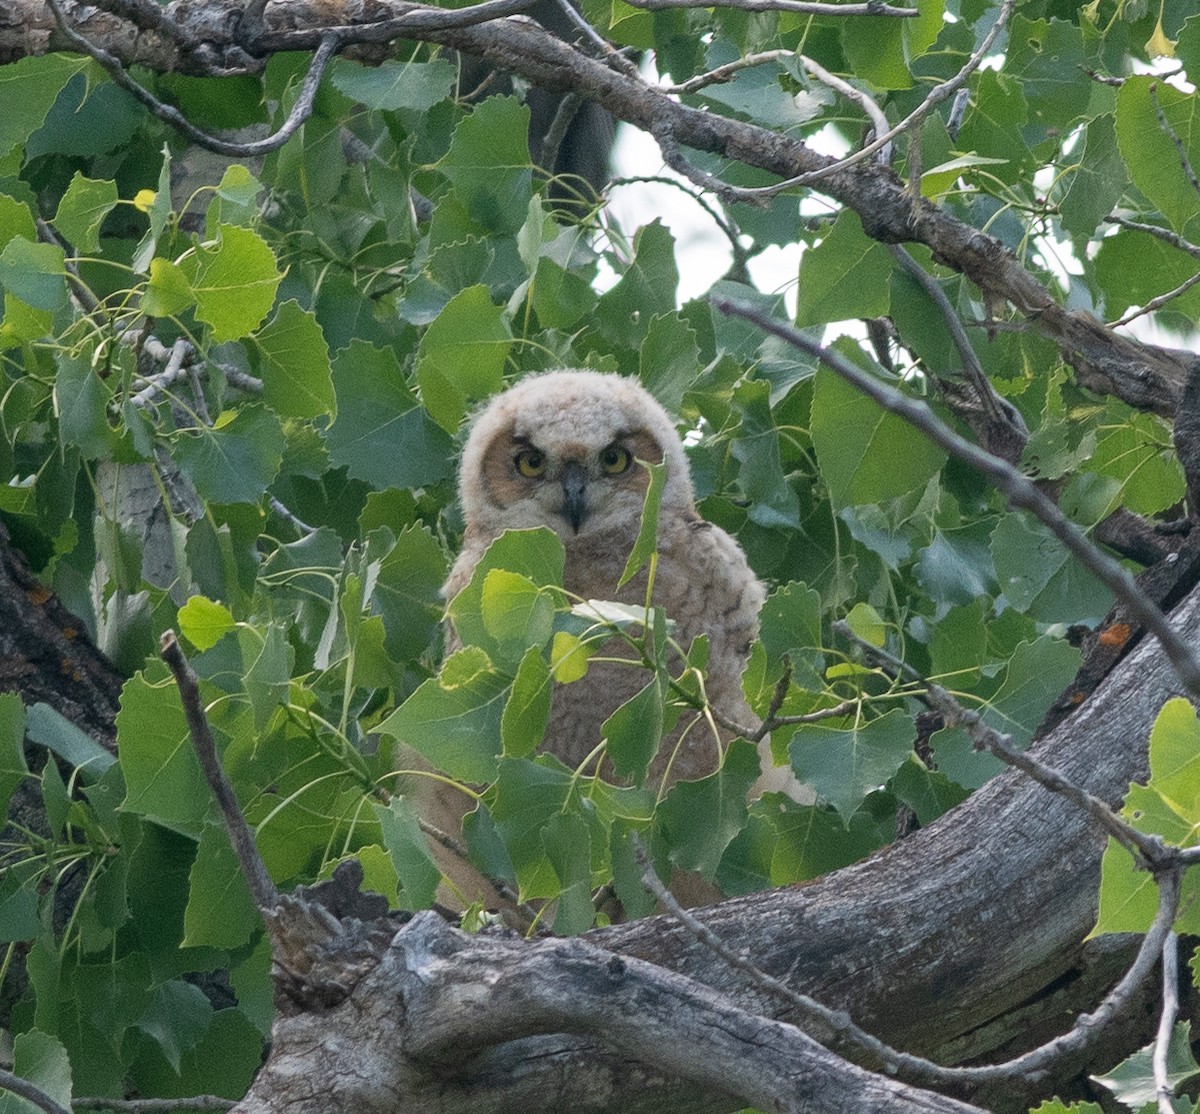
column 561, row 450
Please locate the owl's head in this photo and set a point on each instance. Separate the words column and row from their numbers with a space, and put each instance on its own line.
column 561, row 450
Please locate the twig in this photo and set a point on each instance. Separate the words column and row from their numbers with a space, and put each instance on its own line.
column 999, row 411
column 1166, row 1024
column 29, row 1092
column 241, row 379
column 1164, row 234
column 935, row 97
column 804, row 7
column 725, row 73
column 298, row 524
column 1157, row 303
column 179, row 360
column 728, row 228
column 1184, row 161
column 1149, row 850
column 1019, row 490
column 154, row 1106
column 568, row 109
column 502, row 888
column 418, row 19
column 262, row 889
column 301, row 110
column 879, row 123
column 591, row 35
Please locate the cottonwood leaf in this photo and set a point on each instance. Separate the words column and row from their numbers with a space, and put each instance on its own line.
column 204, row 622
column 294, row 364
column 235, row 459
column 382, row 434
column 416, row 871
column 527, row 712
column 220, row 912
column 866, row 455
column 82, row 210
column 845, row 764
column 234, row 279
column 842, row 278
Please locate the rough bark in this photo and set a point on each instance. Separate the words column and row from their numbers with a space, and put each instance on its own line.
column 212, row 38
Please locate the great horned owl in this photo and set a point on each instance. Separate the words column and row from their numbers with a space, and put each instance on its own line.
column 561, row 450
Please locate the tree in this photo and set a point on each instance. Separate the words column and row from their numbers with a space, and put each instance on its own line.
column 230, row 407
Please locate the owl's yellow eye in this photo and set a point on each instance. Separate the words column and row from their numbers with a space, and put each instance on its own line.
column 530, row 463
column 615, row 459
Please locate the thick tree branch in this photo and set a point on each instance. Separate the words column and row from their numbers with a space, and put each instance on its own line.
column 1145, row 376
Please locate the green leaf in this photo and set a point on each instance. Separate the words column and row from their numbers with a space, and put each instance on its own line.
column 645, row 291
column 634, row 731
column 416, row 871
column 42, row 1060
column 270, row 659
column 455, row 723
column 488, row 163
column 162, row 773
column 407, row 592
column 1039, row 576
column 204, row 623
column 462, row 354
column 236, row 459
column 698, row 819
column 845, row 764
column 35, row 273
column 28, row 87
column 756, row 447
column 82, row 210
column 866, row 622
column 1175, row 757
column 50, row 728
column 527, row 712
column 842, row 278
column 177, row 1018
column 537, row 555
column 234, row 279
column 791, row 626
column 168, row 291
column 83, row 398
column 568, row 844
column 1149, row 153
column 569, row 656
column 1132, row 1081
column 13, row 769
column 668, row 359
column 382, row 435
column 866, row 455
column 647, row 539
column 220, row 912
column 416, row 86
column 814, row 840
column 1098, row 183
column 294, row 363
column 1138, row 454
column 515, row 610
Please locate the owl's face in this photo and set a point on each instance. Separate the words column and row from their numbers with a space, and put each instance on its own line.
column 561, row 450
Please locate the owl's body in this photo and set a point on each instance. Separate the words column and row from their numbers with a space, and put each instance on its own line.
column 560, row 450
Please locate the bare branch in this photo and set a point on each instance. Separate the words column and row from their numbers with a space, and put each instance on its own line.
column 26, row 1090
column 1164, row 234
column 935, row 97
column 1019, row 490
column 155, row 1106
column 726, row 72
column 1003, row 430
column 1157, row 303
column 838, row 1031
column 879, row 123
column 476, row 993
column 330, row 44
column 804, row 7
column 1166, row 1023
column 262, row 889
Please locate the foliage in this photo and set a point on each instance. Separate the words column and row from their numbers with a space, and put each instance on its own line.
column 343, row 337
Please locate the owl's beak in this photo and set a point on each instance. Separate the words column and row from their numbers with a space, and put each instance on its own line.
column 574, row 481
